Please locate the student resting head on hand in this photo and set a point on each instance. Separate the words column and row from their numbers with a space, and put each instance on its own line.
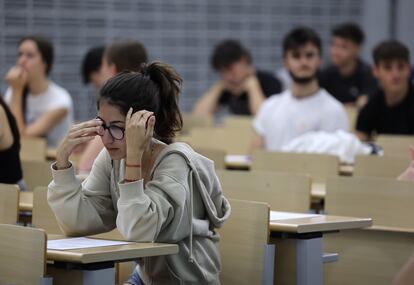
column 41, row 107
column 141, row 183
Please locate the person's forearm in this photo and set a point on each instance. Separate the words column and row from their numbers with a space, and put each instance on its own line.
column 207, row 105
column 16, row 107
column 257, row 143
column 256, row 98
column 133, row 167
column 364, row 137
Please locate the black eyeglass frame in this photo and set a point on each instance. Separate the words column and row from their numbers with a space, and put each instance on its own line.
column 105, row 127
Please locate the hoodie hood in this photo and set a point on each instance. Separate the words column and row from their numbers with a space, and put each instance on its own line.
column 204, row 179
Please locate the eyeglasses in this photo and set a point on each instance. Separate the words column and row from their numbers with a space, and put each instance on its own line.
column 117, row 133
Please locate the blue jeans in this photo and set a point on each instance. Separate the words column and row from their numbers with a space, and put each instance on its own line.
column 134, row 279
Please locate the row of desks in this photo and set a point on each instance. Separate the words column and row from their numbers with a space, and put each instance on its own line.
column 244, row 162
column 306, row 232
column 318, row 192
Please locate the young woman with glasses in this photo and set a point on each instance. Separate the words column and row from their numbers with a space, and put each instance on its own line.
column 148, row 187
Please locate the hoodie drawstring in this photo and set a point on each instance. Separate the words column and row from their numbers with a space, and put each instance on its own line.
column 191, row 257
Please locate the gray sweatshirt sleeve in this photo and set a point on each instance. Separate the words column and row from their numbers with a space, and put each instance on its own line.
column 160, row 212
column 83, row 209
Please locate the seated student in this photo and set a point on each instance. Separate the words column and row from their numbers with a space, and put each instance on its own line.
column 41, row 107
column 241, row 87
column 92, row 71
column 141, row 183
column 10, row 168
column 98, row 67
column 348, row 78
column 304, row 107
column 391, row 109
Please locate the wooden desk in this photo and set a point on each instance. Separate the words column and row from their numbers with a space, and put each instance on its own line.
column 367, row 256
column 51, row 153
column 26, row 201
column 318, row 191
column 96, row 265
column 238, row 162
column 346, row 170
column 244, row 162
column 299, row 246
column 318, row 223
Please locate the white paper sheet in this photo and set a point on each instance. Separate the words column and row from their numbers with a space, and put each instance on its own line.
column 278, row 216
column 243, row 159
column 81, row 242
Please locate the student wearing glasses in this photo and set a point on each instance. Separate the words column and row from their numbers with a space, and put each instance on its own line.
column 141, row 183
column 304, row 107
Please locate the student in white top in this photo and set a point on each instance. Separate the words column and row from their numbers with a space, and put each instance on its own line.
column 41, row 107
column 304, row 106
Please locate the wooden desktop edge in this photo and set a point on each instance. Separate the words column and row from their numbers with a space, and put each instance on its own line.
column 26, row 201
column 112, row 253
column 307, row 226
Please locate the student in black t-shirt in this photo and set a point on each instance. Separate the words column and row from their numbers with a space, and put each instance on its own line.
column 10, row 168
column 391, row 109
column 242, row 88
column 348, row 78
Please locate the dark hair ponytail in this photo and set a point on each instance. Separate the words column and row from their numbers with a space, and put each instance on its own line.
column 155, row 88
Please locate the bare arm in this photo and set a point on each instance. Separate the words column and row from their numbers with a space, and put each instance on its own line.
column 255, row 93
column 6, row 136
column 361, row 101
column 257, row 142
column 45, row 123
column 17, row 78
column 207, row 104
column 363, row 136
column 16, row 104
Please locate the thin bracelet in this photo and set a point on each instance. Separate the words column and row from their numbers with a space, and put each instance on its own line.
column 132, row 165
column 130, row 180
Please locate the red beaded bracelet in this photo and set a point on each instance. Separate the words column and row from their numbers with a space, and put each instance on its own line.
column 133, row 165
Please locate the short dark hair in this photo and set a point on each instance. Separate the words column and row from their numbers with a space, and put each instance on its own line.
column 349, row 31
column 45, row 48
column 390, row 50
column 299, row 37
column 126, row 55
column 228, row 52
column 91, row 62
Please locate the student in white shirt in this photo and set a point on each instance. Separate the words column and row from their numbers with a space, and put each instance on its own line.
column 41, row 107
column 304, row 107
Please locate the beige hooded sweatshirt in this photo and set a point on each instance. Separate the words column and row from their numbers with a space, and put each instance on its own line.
column 183, row 203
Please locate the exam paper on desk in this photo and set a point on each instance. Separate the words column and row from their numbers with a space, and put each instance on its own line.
column 81, row 242
column 280, row 216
